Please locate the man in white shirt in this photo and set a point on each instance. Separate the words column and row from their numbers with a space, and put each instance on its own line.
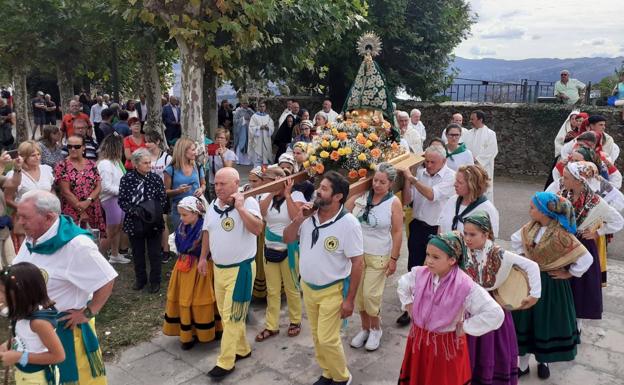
column 79, row 280
column 95, row 115
column 428, row 191
column 231, row 227
column 417, row 124
column 331, row 252
column 327, row 109
column 481, row 141
column 567, row 90
column 456, row 118
column 410, row 134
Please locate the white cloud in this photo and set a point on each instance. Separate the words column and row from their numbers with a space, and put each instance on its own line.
column 481, row 52
column 504, row 33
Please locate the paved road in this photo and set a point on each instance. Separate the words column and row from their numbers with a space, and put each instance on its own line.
column 290, row 361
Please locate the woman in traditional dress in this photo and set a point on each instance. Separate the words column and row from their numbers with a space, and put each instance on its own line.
column 594, row 218
column 548, row 329
column 300, row 153
column 191, row 310
column 471, row 184
column 583, row 151
column 438, row 296
column 280, row 259
column 380, row 213
column 494, row 356
column 457, row 154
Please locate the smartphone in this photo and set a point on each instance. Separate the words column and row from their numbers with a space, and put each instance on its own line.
column 13, row 154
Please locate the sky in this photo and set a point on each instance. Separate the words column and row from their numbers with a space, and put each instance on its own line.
column 522, row 29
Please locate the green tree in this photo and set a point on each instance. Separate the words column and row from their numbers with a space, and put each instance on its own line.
column 607, row 84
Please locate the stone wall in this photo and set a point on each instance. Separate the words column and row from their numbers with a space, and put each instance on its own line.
column 525, row 132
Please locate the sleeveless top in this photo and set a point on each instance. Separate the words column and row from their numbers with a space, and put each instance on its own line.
column 377, row 230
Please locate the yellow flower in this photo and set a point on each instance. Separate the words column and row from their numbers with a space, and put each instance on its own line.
column 335, row 143
column 341, row 151
column 324, row 154
column 334, row 131
column 348, row 150
column 369, row 144
column 362, row 157
column 373, row 166
column 306, row 164
column 312, row 158
column 325, row 144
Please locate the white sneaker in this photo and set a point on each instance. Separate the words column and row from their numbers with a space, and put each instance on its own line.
column 360, row 339
column 118, row 259
column 374, row 339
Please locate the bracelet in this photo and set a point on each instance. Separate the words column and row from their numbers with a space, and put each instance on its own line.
column 394, row 259
column 24, row 359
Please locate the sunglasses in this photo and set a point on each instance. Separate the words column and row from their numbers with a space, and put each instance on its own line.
column 74, row 146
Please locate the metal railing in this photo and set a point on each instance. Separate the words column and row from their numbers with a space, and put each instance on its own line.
column 472, row 90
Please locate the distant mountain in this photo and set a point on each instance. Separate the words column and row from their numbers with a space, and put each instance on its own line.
column 585, row 69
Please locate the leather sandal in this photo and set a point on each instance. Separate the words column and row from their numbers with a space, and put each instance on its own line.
column 294, row 330
column 266, row 334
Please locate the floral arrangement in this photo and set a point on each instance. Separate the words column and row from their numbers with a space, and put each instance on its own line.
column 352, row 147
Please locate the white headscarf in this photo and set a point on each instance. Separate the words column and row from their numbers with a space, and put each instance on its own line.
column 193, row 204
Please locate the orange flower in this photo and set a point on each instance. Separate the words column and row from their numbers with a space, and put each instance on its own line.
column 394, row 145
column 373, row 137
column 319, row 168
column 361, row 139
column 375, row 153
column 334, row 155
column 353, row 174
column 362, row 172
column 342, row 136
column 363, row 125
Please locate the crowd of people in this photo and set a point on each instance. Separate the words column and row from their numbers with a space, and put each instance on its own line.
column 99, row 177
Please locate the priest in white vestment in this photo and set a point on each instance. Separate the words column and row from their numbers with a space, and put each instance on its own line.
column 328, row 111
column 261, row 128
column 481, row 141
column 417, row 124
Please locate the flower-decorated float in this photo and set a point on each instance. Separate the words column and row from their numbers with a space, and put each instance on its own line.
column 363, row 136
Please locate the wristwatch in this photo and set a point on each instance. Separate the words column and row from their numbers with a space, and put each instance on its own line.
column 88, row 313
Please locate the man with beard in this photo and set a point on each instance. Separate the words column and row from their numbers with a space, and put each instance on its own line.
column 331, row 250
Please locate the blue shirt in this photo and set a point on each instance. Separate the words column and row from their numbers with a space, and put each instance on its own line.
column 179, row 179
column 620, row 93
column 122, row 128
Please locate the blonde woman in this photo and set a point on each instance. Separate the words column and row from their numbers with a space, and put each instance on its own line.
column 183, row 177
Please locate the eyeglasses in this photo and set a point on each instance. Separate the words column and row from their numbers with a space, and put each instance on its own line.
column 74, row 146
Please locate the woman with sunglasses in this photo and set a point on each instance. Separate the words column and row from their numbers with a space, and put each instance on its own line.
column 457, row 154
column 80, row 185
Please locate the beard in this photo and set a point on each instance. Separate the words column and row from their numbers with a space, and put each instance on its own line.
column 320, row 202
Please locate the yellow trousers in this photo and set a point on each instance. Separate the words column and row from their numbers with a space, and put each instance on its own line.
column 372, row 283
column 601, row 245
column 37, row 378
column 234, row 339
column 276, row 274
column 323, row 309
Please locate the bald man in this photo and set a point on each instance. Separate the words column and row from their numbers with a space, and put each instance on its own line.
column 231, row 227
column 456, row 118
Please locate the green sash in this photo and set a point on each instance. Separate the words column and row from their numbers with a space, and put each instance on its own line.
column 293, row 253
column 49, row 371
column 461, row 148
column 241, row 298
column 67, row 231
column 69, row 368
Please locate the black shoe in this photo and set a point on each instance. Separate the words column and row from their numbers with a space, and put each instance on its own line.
column 188, row 345
column 154, row 288
column 218, row 372
column 323, row 381
column 347, row 382
column 543, row 371
column 404, row 319
column 523, row 372
column 138, row 286
column 239, row 357
column 165, row 257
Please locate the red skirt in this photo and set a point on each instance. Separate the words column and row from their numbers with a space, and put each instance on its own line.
column 435, row 358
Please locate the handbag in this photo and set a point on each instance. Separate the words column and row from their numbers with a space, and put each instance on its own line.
column 611, row 100
column 275, row 256
column 147, row 217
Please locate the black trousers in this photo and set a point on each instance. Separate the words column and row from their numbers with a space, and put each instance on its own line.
column 417, row 242
column 153, row 254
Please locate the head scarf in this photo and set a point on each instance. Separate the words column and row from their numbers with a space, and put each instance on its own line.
column 557, row 208
column 591, row 155
column 302, row 145
column 307, row 123
column 286, row 158
column 257, row 171
column 193, row 205
column 482, row 220
column 452, row 244
column 583, row 170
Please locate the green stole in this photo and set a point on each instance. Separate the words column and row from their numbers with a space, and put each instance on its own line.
column 241, row 298
column 67, row 231
column 49, row 371
column 69, row 368
column 293, row 253
column 461, row 148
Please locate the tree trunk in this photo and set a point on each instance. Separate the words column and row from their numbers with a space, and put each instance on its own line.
column 64, row 80
column 151, row 89
column 21, row 103
column 191, row 103
column 211, row 82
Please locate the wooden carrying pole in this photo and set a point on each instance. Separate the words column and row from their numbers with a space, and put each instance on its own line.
column 401, row 163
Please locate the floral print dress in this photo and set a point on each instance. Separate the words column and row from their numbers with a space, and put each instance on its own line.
column 81, row 184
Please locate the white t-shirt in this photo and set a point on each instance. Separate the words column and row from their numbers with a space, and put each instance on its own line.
column 276, row 221
column 377, row 231
column 26, row 340
column 159, row 166
column 74, row 272
column 45, row 182
column 230, row 241
column 448, row 213
column 215, row 163
column 461, row 159
column 111, row 174
column 329, row 259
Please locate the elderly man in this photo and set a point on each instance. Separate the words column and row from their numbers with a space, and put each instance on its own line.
column 261, row 128
column 428, row 192
column 410, row 134
column 81, row 128
column 231, row 227
column 481, row 141
column 567, row 90
column 79, row 281
column 416, row 123
column 331, row 251
column 327, row 109
column 456, row 118
column 67, row 125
